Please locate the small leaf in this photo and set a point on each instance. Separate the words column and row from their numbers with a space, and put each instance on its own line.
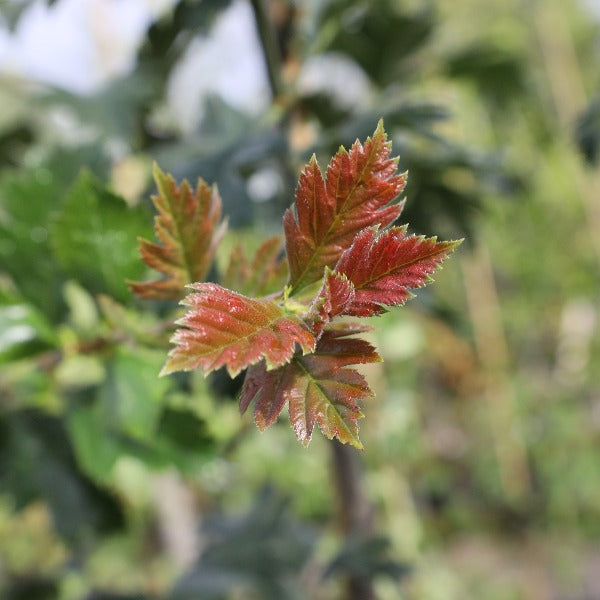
column 357, row 193
column 266, row 274
column 335, row 296
column 187, row 225
column 317, row 387
column 224, row 328
column 383, row 266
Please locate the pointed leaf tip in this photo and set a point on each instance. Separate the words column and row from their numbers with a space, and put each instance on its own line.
column 383, row 267
column 188, row 228
column 359, row 191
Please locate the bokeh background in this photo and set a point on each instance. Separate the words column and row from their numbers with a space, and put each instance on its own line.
column 481, row 472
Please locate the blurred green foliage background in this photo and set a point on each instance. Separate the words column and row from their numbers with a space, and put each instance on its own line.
column 482, row 463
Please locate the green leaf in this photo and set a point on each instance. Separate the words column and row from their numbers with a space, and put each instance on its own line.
column 132, row 393
column 23, row 331
column 94, row 237
column 37, row 461
column 97, row 450
column 27, row 201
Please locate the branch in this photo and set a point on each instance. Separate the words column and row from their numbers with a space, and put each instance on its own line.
column 356, row 512
column 270, row 48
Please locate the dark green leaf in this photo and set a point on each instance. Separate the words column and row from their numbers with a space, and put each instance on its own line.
column 27, row 201
column 94, row 237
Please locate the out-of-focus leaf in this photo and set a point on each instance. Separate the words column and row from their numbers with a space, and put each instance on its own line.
column 12, row 11
column 225, row 329
column 497, row 73
column 27, row 201
column 257, row 553
column 382, row 267
column 94, row 237
column 31, row 588
column 379, row 35
column 13, row 143
column 265, row 274
column 83, row 314
column 187, row 225
column 358, row 191
column 143, row 328
column 317, row 387
column 179, row 439
column 587, row 132
column 226, row 148
column 36, row 461
column 96, row 449
column 367, row 559
column 23, row 331
column 132, row 393
column 116, row 111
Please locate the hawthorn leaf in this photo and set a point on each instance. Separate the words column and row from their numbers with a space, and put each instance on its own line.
column 335, row 296
column 318, row 388
column 265, row 274
column 328, row 213
column 187, row 227
column 225, row 329
column 383, row 266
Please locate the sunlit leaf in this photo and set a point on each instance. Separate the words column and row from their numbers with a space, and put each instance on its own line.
column 357, row 193
column 226, row 329
column 317, row 387
column 187, row 227
column 384, row 266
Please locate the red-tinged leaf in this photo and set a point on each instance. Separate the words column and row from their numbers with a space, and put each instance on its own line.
column 334, row 298
column 358, row 192
column 265, row 274
column 187, row 227
column 384, row 266
column 318, row 387
column 225, row 329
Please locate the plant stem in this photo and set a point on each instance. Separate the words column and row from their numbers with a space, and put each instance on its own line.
column 268, row 41
column 355, row 510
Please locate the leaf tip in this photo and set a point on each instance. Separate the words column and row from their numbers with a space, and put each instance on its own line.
column 166, row 370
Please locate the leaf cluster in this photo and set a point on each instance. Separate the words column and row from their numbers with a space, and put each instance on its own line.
column 345, row 258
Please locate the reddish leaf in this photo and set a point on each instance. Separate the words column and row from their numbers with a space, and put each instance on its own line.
column 383, row 266
column 358, row 191
column 187, row 227
column 317, row 387
column 224, row 328
column 266, row 273
column 335, row 296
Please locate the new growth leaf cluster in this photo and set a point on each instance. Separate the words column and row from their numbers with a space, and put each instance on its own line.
column 288, row 316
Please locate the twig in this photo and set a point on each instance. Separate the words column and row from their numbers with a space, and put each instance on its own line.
column 355, row 510
column 268, row 41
